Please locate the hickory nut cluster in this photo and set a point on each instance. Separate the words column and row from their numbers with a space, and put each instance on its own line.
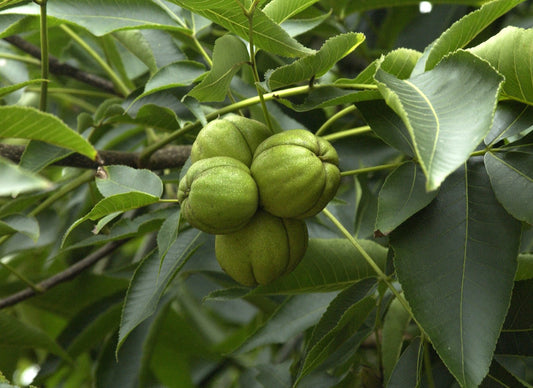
column 253, row 189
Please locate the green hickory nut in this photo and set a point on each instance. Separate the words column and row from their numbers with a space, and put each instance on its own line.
column 234, row 136
column 265, row 249
column 296, row 172
column 218, row 195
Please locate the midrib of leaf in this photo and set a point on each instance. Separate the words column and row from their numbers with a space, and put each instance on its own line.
column 512, row 168
column 434, row 113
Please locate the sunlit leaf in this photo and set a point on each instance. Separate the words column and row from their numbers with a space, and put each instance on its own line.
column 229, row 55
column 16, row 180
column 401, row 196
column 29, row 123
column 267, row 34
column 11, row 88
column 466, row 29
column 511, row 176
column 315, row 65
column 281, row 10
column 511, row 53
column 124, row 179
column 437, row 105
column 460, row 250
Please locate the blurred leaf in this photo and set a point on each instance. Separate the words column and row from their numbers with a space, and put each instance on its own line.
column 394, row 327
column 105, row 16
column 267, row 34
column 344, row 316
column 16, row 180
column 295, row 27
column 402, row 195
column 281, row 10
column 510, row 52
column 11, row 88
column 498, row 376
column 466, row 29
column 511, row 177
column 510, row 120
column 329, row 264
column 364, row 5
column 460, row 250
column 436, row 125
column 150, row 280
column 17, row 334
column 525, row 267
column 229, row 55
column 124, row 179
column 29, row 123
column 27, row 225
column 519, row 367
column 406, row 372
column 315, row 65
column 293, row 316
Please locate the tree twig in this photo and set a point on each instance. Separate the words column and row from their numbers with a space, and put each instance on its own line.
column 58, row 68
column 171, row 156
column 68, row 274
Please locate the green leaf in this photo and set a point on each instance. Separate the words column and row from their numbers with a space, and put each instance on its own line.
column 406, row 373
column 151, row 279
column 27, row 225
column 115, row 203
column 38, row 154
column 293, row 316
column 511, row 120
column 267, row 35
column 517, row 333
column 29, row 123
column 124, row 179
column 510, row 52
column 105, row 16
column 437, row 105
column 402, row 195
column 460, row 250
column 344, row 316
column 329, row 264
column 315, row 65
column 467, row 28
column 511, row 176
column 394, row 327
column 168, row 233
column 16, row 180
column 11, row 88
column 17, row 334
column 295, row 27
column 139, row 46
column 174, row 75
column 525, row 267
column 281, row 10
column 229, row 55
column 387, row 125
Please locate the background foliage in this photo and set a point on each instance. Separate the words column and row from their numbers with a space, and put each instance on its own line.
column 417, row 274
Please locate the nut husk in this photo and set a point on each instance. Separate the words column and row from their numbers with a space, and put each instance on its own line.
column 265, row 249
column 234, row 136
column 296, row 172
column 218, row 195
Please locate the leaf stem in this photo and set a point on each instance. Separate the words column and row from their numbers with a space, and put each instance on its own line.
column 21, row 58
column 371, row 169
column 114, row 77
column 380, row 274
column 145, row 155
column 22, row 278
column 334, row 118
column 427, row 363
column 250, row 15
column 346, row 133
column 44, row 56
